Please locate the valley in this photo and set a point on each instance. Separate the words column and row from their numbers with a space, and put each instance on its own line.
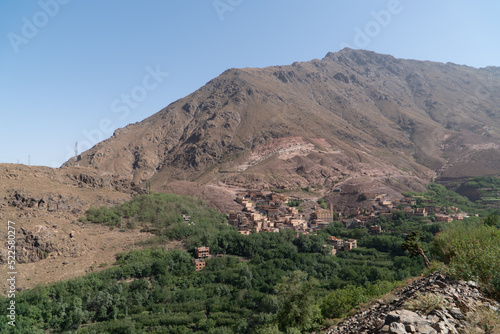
column 301, row 182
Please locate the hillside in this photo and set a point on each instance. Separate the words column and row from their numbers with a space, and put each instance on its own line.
column 354, row 118
column 45, row 203
column 434, row 304
column 268, row 282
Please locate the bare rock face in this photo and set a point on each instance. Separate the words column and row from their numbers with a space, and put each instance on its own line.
column 44, row 203
column 458, row 307
column 42, row 242
column 50, row 202
column 111, row 182
column 352, row 116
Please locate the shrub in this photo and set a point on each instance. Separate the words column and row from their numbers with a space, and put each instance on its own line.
column 341, row 301
column 483, row 320
column 103, row 215
column 294, row 202
column 471, row 251
column 322, row 203
column 155, row 210
column 426, row 303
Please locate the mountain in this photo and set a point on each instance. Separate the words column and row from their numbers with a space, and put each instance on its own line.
column 354, row 119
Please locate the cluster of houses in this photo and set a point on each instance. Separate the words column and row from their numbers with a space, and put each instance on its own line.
column 379, row 205
column 266, row 213
column 201, row 253
column 341, row 244
column 270, row 213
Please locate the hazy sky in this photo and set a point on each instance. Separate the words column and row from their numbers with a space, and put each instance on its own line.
column 75, row 71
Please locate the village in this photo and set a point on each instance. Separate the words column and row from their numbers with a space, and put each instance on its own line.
column 272, row 212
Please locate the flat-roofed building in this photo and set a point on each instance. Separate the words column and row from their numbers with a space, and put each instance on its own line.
column 337, row 243
column 199, row 264
column 444, row 218
column 375, row 229
column 201, row 252
column 350, row 244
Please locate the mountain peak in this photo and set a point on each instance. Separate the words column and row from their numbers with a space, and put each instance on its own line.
column 355, row 117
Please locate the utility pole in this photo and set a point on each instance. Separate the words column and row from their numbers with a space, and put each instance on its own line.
column 76, row 153
column 29, row 160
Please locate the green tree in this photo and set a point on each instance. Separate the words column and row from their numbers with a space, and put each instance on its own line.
column 471, row 252
column 491, row 220
column 322, row 203
column 298, row 309
column 341, row 301
column 413, row 246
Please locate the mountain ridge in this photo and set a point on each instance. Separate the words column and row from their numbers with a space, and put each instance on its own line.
column 352, row 114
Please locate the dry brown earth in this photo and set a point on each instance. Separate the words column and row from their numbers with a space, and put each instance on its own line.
column 44, row 204
column 352, row 117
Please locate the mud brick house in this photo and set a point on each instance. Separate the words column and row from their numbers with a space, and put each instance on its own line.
column 337, row 243
column 420, row 212
column 323, row 215
column 201, row 252
column 350, row 244
column 375, row 229
column 199, row 264
column 444, row 218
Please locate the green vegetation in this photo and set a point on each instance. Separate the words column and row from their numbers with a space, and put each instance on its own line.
column 154, row 290
column 492, row 220
column 471, row 251
column 298, row 306
column 154, row 210
column 439, row 195
column 484, row 191
column 294, row 202
column 261, row 283
column 322, row 203
column 484, row 182
column 412, row 245
column 339, row 302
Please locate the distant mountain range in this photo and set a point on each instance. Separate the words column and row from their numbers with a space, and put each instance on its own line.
column 354, row 118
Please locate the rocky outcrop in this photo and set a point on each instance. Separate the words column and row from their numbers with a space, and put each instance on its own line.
column 42, row 242
column 50, row 202
column 434, row 304
column 106, row 181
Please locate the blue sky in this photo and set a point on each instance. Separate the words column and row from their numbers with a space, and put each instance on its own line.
column 74, row 71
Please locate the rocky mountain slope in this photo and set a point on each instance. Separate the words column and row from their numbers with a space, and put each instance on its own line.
column 353, row 117
column 45, row 203
column 434, row 304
